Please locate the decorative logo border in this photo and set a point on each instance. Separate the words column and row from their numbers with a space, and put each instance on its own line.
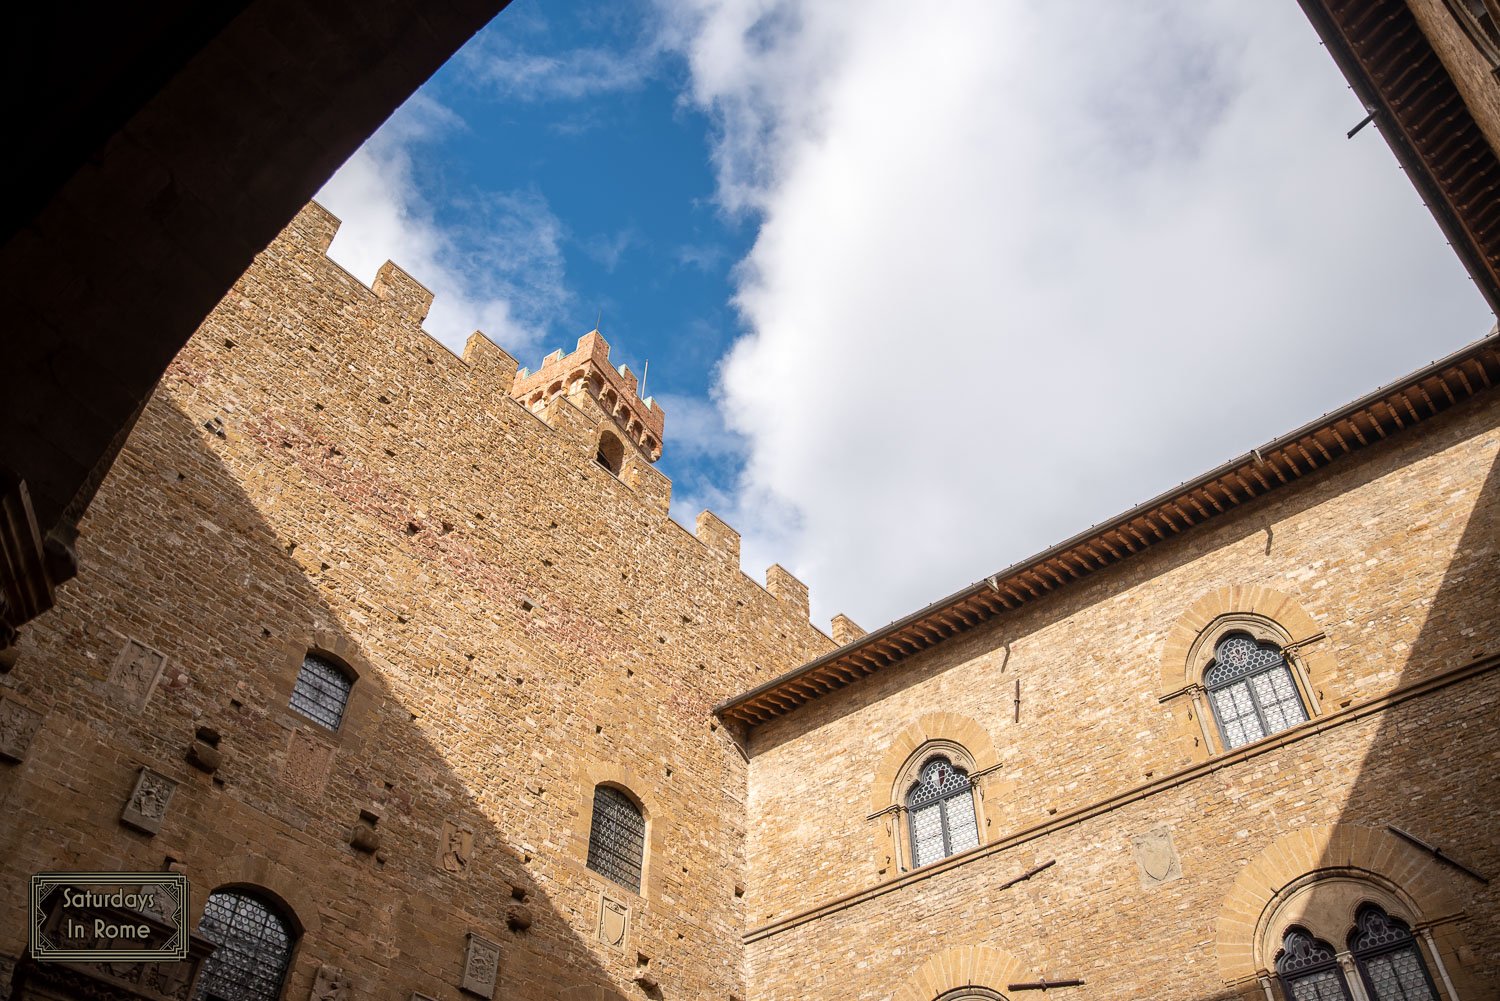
column 171, row 887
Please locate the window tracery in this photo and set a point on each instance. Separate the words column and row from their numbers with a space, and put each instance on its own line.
column 322, row 690
column 617, row 838
column 254, row 948
column 940, row 807
column 1381, row 950
column 1388, row 959
column 1251, row 690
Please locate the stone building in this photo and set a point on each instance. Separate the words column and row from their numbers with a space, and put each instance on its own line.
column 1226, row 733
column 377, row 641
column 399, row 660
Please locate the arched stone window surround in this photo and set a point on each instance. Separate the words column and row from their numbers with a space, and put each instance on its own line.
column 611, row 451
column 272, row 901
column 1316, row 879
column 359, row 710
column 644, row 795
column 964, row 743
column 610, row 862
column 323, row 662
column 1326, row 905
column 1269, row 641
column 963, row 972
column 1267, row 615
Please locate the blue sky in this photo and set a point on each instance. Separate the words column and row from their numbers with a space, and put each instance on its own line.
column 562, row 126
column 924, row 289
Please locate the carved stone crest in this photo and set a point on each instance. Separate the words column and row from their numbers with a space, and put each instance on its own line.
column 456, row 849
column 18, row 725
column 307, row 763
column 148, row 801
column 1156, row 858
column 331, row 984
column 136, row 671
column 614, row 922
column 481, row 966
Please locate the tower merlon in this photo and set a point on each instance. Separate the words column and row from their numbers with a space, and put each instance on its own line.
column 315, row 226
column 781, row 583
column 846, row 630
column 484, row 355
column 402, row 292
column 719, row 537
column 650, row 483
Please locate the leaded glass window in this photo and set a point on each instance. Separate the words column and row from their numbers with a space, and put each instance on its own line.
column 617, row 838
column 1388, row 958
column 942, row 812
column 1309, row 970
column 322, row 691
column 1251, row 689
column 254, row 948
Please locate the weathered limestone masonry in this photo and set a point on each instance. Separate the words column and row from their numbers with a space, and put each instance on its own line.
column 1166, row 856
column 315, row 473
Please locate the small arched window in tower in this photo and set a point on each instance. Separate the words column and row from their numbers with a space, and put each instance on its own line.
column 1251, row 688
column 1309, row 970
column 611, row 452
column 322, row 690
column 617, row 838
column 941, row 806
column 253, row 948
column 1388, row 958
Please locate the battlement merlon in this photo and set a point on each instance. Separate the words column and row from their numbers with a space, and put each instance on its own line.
column 615, row 390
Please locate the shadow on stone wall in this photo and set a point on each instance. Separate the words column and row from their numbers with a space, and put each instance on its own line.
column 177, row 557
column 1433, row 765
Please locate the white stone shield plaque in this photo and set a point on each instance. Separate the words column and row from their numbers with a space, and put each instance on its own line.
column 614, row 922
column 1156, row 857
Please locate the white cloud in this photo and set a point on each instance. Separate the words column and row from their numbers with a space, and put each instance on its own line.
column 500, row 270
column 609, row 249
column 698, row 428
column 499, row 62
column 1024, row 265
column 703, row 257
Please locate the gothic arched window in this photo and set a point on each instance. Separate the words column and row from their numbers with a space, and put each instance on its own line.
column 1309, row 969
column 254, row 948
column 322, row 690
column 1388, row 958
column 941, row 805
column 1251, row 688
column 617, row 838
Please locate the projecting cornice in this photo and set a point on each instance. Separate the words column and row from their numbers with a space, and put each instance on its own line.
column 1417, row 105
column 1389, row 411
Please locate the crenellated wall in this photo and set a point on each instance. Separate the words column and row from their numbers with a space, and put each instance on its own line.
column 317, row 473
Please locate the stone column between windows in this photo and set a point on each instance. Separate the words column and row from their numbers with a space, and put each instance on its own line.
column 1437, row 960
column 1351, row 977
